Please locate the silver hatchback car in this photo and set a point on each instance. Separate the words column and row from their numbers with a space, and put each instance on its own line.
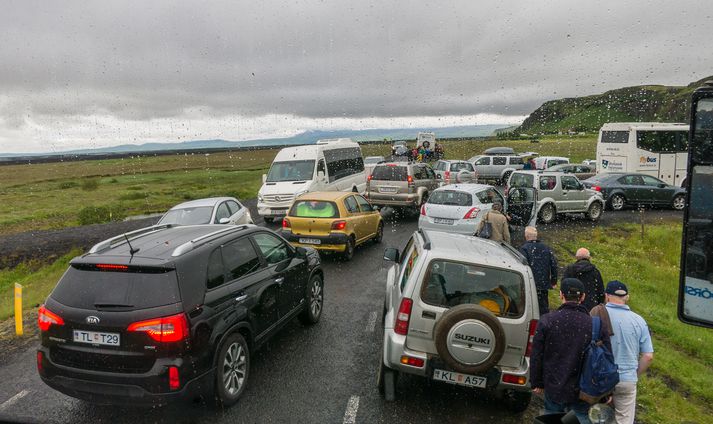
column 459, row 310
column 458, row 208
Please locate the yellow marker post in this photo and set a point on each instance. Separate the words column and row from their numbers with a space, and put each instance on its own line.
column 18, row 309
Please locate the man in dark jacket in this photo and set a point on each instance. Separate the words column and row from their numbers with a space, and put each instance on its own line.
column 589, row 275
column 543, row 264
column 558, row 351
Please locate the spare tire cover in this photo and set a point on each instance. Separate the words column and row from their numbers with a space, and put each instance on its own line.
column 470, row 339
column 464, row 176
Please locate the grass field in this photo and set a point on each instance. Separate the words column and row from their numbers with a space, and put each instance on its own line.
column 52, row 195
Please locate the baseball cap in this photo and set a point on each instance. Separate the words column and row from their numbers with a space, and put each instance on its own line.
column 617, row 288
column 571, row 286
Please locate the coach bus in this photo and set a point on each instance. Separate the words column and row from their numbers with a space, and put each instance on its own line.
column 656, row 149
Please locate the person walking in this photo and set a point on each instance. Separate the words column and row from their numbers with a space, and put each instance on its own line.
column 558, row 350
column 544, row 266
column 585, row 271
column 631, row 346
column 498, row 222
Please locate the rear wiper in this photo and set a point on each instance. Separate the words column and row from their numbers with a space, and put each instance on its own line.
column 112, row 305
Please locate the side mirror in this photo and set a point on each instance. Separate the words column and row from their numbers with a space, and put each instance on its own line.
column 264, row 178
column 391, row 254
column 224, row 220
column 300, row 252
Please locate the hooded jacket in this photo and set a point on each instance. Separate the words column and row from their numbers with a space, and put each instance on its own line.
column 590, row 276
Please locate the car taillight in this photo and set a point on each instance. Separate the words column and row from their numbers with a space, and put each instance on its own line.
column 409, row 179
column 47, row 318
column 369, row 177
column 403, row 316
column 530, row 337
column 339, row 225
column 286, row 223
column 447, row 176
column 165, row 330
column 472, row 213
column 423, row 210
column 112, row 267
column 414, row 362
column 597, row 188
column 174, row 381
column 514, row 379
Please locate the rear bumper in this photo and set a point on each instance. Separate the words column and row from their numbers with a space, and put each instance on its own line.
column 150, row 388
column 460, row 226
column 383, row 199
column 333, row 242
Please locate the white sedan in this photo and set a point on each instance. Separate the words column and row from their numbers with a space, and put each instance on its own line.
column 214, row 210
column 458, row 208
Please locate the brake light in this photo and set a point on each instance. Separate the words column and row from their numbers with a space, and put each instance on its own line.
column 414, row 362
column 47, row 318
column 423, row 209
column 164, row 330
column 286, row 223
column 112, row 267
column 447, row 176
column 530, row 337
column 409, row 179
column 514, row 379
column 339, row 225
column 174, row 381
column 471, row 214
column 369, row 177
column 597, row 188
column 403, row 316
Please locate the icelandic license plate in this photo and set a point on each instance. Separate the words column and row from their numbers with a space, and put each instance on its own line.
column 387, row 190
column 443, row 221
column 96, row 338
column 310, row 241
column 276, row 212
column 460, row 379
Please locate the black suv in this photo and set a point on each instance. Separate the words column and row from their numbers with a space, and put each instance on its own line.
column 166, row 313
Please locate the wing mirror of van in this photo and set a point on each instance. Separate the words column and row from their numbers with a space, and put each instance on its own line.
column 391, row 254
column 264, row 178
column 224, row 221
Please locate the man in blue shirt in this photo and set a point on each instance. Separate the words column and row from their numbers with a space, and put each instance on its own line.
column 632, row 349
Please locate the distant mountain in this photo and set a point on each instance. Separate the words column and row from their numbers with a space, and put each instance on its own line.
column 645, row 103
column 308, row 137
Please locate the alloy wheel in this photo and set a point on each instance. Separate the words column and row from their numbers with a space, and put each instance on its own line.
column 234, row 368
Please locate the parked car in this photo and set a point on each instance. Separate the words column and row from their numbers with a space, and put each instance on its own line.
column 634, row 189
column 458, row 208
column 332, row 221
column 558, row 193
column 460, row 310
column 171, row 313
column 213, row 210
column 399, row 148
column 544, row 162
column 581, row 171
column 454, row 171
column 401, row 184
column 496, row 167
column 370, row 162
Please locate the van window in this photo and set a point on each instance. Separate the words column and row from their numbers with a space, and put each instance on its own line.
column 483, row 161
column 314, row 209
column 343, row 162
column 515, row 160
column 499, row 160
column 615, row 136
column 555, row 162
column 292, row 170
column 448, row 284
column 389, row 173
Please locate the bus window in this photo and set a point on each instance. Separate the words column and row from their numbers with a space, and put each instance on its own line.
column 615, row 137
column 659, row 141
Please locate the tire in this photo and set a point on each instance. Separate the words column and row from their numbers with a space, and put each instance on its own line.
column 679, row 202
column 315, row 301
column 233, row 356
column 617, row 202
column 379, row 233
column 474, row 316
column 595, row 211
column 548, row 213
column 348, row 253
column 516, row 401
column 268, row 219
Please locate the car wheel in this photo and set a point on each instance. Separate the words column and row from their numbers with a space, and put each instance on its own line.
column 516, row 401
column 595, row 211
column 231, row 375
column 348, row 253
column 315, row 301
column 268, row 219
column 469, row 339
column 679, row 202
column 617, row 202
column 379, row 233
column 548, row 213
column 386, row 380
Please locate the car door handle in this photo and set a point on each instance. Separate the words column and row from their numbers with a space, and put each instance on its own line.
column 280, row 280
column 241, row 297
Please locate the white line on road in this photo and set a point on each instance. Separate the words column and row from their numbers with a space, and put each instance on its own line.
column 351, row 412
column 17, row 397
column 371, row 323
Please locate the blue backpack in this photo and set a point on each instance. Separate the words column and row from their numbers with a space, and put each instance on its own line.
column 599, row 372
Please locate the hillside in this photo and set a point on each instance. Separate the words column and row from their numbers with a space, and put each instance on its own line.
column 646, row 103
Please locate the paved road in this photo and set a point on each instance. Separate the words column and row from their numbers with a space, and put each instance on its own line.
column 323, row 374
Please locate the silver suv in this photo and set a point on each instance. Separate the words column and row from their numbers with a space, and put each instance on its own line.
column 454, row 171
column 557, row 193
column 400, row 184
column 460, row 310
column 496, row 167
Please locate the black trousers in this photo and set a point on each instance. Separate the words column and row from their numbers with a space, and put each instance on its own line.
column 543, row 301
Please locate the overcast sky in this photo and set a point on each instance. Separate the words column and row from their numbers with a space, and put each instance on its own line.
column 92, row 74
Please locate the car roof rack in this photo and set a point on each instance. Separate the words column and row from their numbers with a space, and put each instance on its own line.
column 426, row 239
column 192, row 244
column 131, row 235
column 516, row 253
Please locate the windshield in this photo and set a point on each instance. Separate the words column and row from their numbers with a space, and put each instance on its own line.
column 450, row 198
column 461, row 166
column 296, row 170
column 188, row 216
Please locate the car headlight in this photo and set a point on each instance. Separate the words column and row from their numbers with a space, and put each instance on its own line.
column 260, row 198
column 300, row 193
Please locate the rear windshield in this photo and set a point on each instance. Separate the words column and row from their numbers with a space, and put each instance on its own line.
column 460, row 166
column 390, row 173
column 188, row 216
column 93, row 289
column 450, row 284
column 450, row 198
column 314, row 209
column 522, row 180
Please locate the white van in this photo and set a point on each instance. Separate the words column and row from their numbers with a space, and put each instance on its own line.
column 427, row 140
column 329, row 165
column 544, row 162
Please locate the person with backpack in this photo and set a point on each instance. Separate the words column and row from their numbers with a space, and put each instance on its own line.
column 631, row 347
column 498, row 223
column 558, row 350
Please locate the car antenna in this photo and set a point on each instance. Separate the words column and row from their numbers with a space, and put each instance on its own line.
column 131, row 248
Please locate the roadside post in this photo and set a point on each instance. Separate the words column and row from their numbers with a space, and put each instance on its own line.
column 18, row 309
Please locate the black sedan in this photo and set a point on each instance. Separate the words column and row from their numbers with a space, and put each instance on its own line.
column 636, row 189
